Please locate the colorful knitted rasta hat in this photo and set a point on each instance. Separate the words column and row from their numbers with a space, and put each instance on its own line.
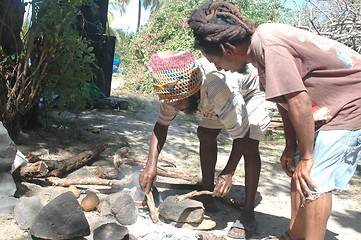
column 176, row 75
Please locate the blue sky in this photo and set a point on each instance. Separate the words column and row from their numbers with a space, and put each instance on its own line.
column 128, row 21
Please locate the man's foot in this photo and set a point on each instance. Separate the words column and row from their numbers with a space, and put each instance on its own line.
column 243, row 227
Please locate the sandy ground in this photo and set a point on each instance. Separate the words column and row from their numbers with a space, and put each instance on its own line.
column 133, row 128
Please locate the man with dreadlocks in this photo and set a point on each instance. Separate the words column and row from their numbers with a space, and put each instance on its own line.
column 224, row 100
column 316, row 83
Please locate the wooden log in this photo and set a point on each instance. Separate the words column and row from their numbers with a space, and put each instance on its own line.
column 77, row 161
column 34, row 170
column 64, row 182
column 58, row 168
column 167, row 172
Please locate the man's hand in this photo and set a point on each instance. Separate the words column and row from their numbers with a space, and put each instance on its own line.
column 223, row 185
column 147, row 178
column 301, row 177
column 287, row 161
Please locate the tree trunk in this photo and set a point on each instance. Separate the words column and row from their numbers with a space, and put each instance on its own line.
column 139, row 13
column 11, row 21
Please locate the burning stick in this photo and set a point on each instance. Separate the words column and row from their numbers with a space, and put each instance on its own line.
column 152, row 208
column 191, row 194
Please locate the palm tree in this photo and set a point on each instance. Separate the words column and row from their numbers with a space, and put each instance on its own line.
column 151, row 5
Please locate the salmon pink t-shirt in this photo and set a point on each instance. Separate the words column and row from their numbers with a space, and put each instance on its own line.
column 292, row 60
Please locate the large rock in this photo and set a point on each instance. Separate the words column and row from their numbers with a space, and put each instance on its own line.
column 7, row 204
column 7, row 150
column 186, row 211
column 111, row 231
column 7, row 183
column 121, row 206
column 62, row 218
column 26, row 211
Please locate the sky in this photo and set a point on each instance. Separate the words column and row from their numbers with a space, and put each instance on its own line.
column 128, row 21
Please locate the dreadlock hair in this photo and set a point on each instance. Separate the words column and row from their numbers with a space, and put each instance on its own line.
column 219, row 25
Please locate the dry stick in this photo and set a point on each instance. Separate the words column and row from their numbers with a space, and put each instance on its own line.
column 152, row 208
column 121, row 157
column 192, row 194
column 162, row 170
column 86, row 181
column 228, row 201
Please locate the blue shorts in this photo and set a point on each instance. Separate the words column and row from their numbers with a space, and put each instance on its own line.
column 336, row 154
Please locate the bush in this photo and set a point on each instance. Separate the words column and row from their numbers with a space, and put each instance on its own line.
column 167, row 29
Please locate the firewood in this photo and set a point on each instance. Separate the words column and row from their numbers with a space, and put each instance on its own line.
column 58, row 168
column 152, row 208
column 192, row 194
column 78, row 160
column 167, row 172
column 86, row 181
column 34, row 170
column 226, row 200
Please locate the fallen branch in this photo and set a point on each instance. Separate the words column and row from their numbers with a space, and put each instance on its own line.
column 34, row 170
column 152, row 208
column 41, row 167
column 87, row 181
column 192, row 194
column 80, row 181
column 121, row 157
column 226, row 200
column 167, row 172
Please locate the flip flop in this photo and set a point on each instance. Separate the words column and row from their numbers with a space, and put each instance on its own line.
column 248, row 227
column 206, row 224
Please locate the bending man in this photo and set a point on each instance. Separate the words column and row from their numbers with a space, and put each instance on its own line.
column 184, row 84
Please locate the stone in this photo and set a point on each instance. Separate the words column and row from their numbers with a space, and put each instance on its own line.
column 61, row 218
column 7, row 150
column 186, row 211
column 26, row 210
column 7, row 183
column 209, row 236
column 110, row 231
column 122, row 207
column 7, row 204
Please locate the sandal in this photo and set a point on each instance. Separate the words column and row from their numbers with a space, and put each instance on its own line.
column 249, row 228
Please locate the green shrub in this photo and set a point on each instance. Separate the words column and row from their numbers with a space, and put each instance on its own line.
column 167, row 29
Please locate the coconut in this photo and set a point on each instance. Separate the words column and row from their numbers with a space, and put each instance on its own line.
column 90, row 202
column 74, row 190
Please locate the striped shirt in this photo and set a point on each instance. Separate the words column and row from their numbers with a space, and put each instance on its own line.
column 221, row 98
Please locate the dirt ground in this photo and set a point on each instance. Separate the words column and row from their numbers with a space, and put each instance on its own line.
column 64, row 137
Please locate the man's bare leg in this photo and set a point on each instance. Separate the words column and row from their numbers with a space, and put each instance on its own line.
column 208, row 157
column 309, row 222
column 317, row 214
column 252, row 172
